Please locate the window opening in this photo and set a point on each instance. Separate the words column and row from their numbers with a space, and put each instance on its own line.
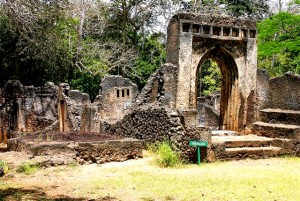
column 185, row 27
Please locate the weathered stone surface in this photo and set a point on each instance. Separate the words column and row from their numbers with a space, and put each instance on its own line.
column 262, row 91
column 192, row 38
column 160, row 88
column 59, row 151
column 283, row 92
column 158, row 124
column 116, row 97
column 27, row 108
column 250, row 146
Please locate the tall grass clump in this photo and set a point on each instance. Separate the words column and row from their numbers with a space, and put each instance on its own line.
column 165, row 156
column 4, row 166
column 27, row 168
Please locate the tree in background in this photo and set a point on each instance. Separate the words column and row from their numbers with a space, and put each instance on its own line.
column 250, row 9
column 279, row 39
column 209, row 78
column 81, row 41
column 34, row 48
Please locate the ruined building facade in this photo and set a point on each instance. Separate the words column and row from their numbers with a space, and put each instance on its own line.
column 167, row 107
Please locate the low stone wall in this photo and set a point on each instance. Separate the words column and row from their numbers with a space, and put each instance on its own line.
column 82, row 152
column 101, row 152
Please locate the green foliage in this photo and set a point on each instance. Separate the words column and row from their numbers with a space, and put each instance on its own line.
column 86, row 82
column 278, row 47
column 34, row 47
column 27, row 168
column 253, row 9
column 5, row 166
column 210, row 77
column 257, row 9
column 152, row 55
column 166, row 156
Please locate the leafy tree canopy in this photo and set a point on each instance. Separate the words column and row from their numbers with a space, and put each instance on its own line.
column 279, row 39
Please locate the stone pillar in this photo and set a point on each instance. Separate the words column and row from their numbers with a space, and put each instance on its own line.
column 184, row 71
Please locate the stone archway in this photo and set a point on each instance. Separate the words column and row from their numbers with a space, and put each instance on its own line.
column 231, row 42
column 229, row 87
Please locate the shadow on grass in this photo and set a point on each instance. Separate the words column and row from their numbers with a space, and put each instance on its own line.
column 19, row 194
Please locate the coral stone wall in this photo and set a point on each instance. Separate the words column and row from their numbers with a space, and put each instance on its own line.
column 116, row 97
column 284, row 92
column 27, row 108
column 84, row 152
column 156, row 123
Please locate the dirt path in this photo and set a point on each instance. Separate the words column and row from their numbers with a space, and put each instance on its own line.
column 139, row 180
column 54, row 183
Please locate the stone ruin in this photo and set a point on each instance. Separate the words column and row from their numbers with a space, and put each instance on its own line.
column 168, row 107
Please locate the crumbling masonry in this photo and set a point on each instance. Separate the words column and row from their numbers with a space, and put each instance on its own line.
column 167, row 108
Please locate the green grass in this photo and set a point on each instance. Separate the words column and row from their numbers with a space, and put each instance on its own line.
column 27, row 168
column 163, row 154
column 5, row 166
column 254, row 180
column 276, row 179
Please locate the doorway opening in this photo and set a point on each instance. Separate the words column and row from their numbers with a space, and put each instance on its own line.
column 62, row 116
column 217, row 75
column 13, row 116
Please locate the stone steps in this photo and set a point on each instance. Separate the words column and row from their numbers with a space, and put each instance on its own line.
column 276, row 130
column 279, row 116
column 253, row 152
column 250, row 146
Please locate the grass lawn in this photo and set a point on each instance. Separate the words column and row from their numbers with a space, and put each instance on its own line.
column 267, row 180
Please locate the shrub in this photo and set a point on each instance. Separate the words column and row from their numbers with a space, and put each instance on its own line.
column 166, row 156
column 27, row 168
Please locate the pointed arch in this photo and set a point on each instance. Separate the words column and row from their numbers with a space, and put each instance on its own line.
column 229, row 87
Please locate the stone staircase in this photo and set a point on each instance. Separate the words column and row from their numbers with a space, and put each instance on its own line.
column 274, row 135
column 278, row 123
column 249, row 146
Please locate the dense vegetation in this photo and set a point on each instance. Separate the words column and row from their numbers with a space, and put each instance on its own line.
column 81, row 41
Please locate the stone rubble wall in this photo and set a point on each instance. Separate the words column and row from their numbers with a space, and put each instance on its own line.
column 156, row 123
column 81, row 152
column 109, row 151
column 160, row 88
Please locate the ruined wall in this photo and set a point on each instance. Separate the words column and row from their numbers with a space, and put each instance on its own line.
column 209, row 111
column 262, row 91
column 160, row 88
column 156, row 123
column 284, row 92
column 27, row 108
column 279, row 92
column 116, row 97
column 72, row 107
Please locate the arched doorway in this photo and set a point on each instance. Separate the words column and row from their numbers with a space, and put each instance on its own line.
column 229, row 87
column 230, row 42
